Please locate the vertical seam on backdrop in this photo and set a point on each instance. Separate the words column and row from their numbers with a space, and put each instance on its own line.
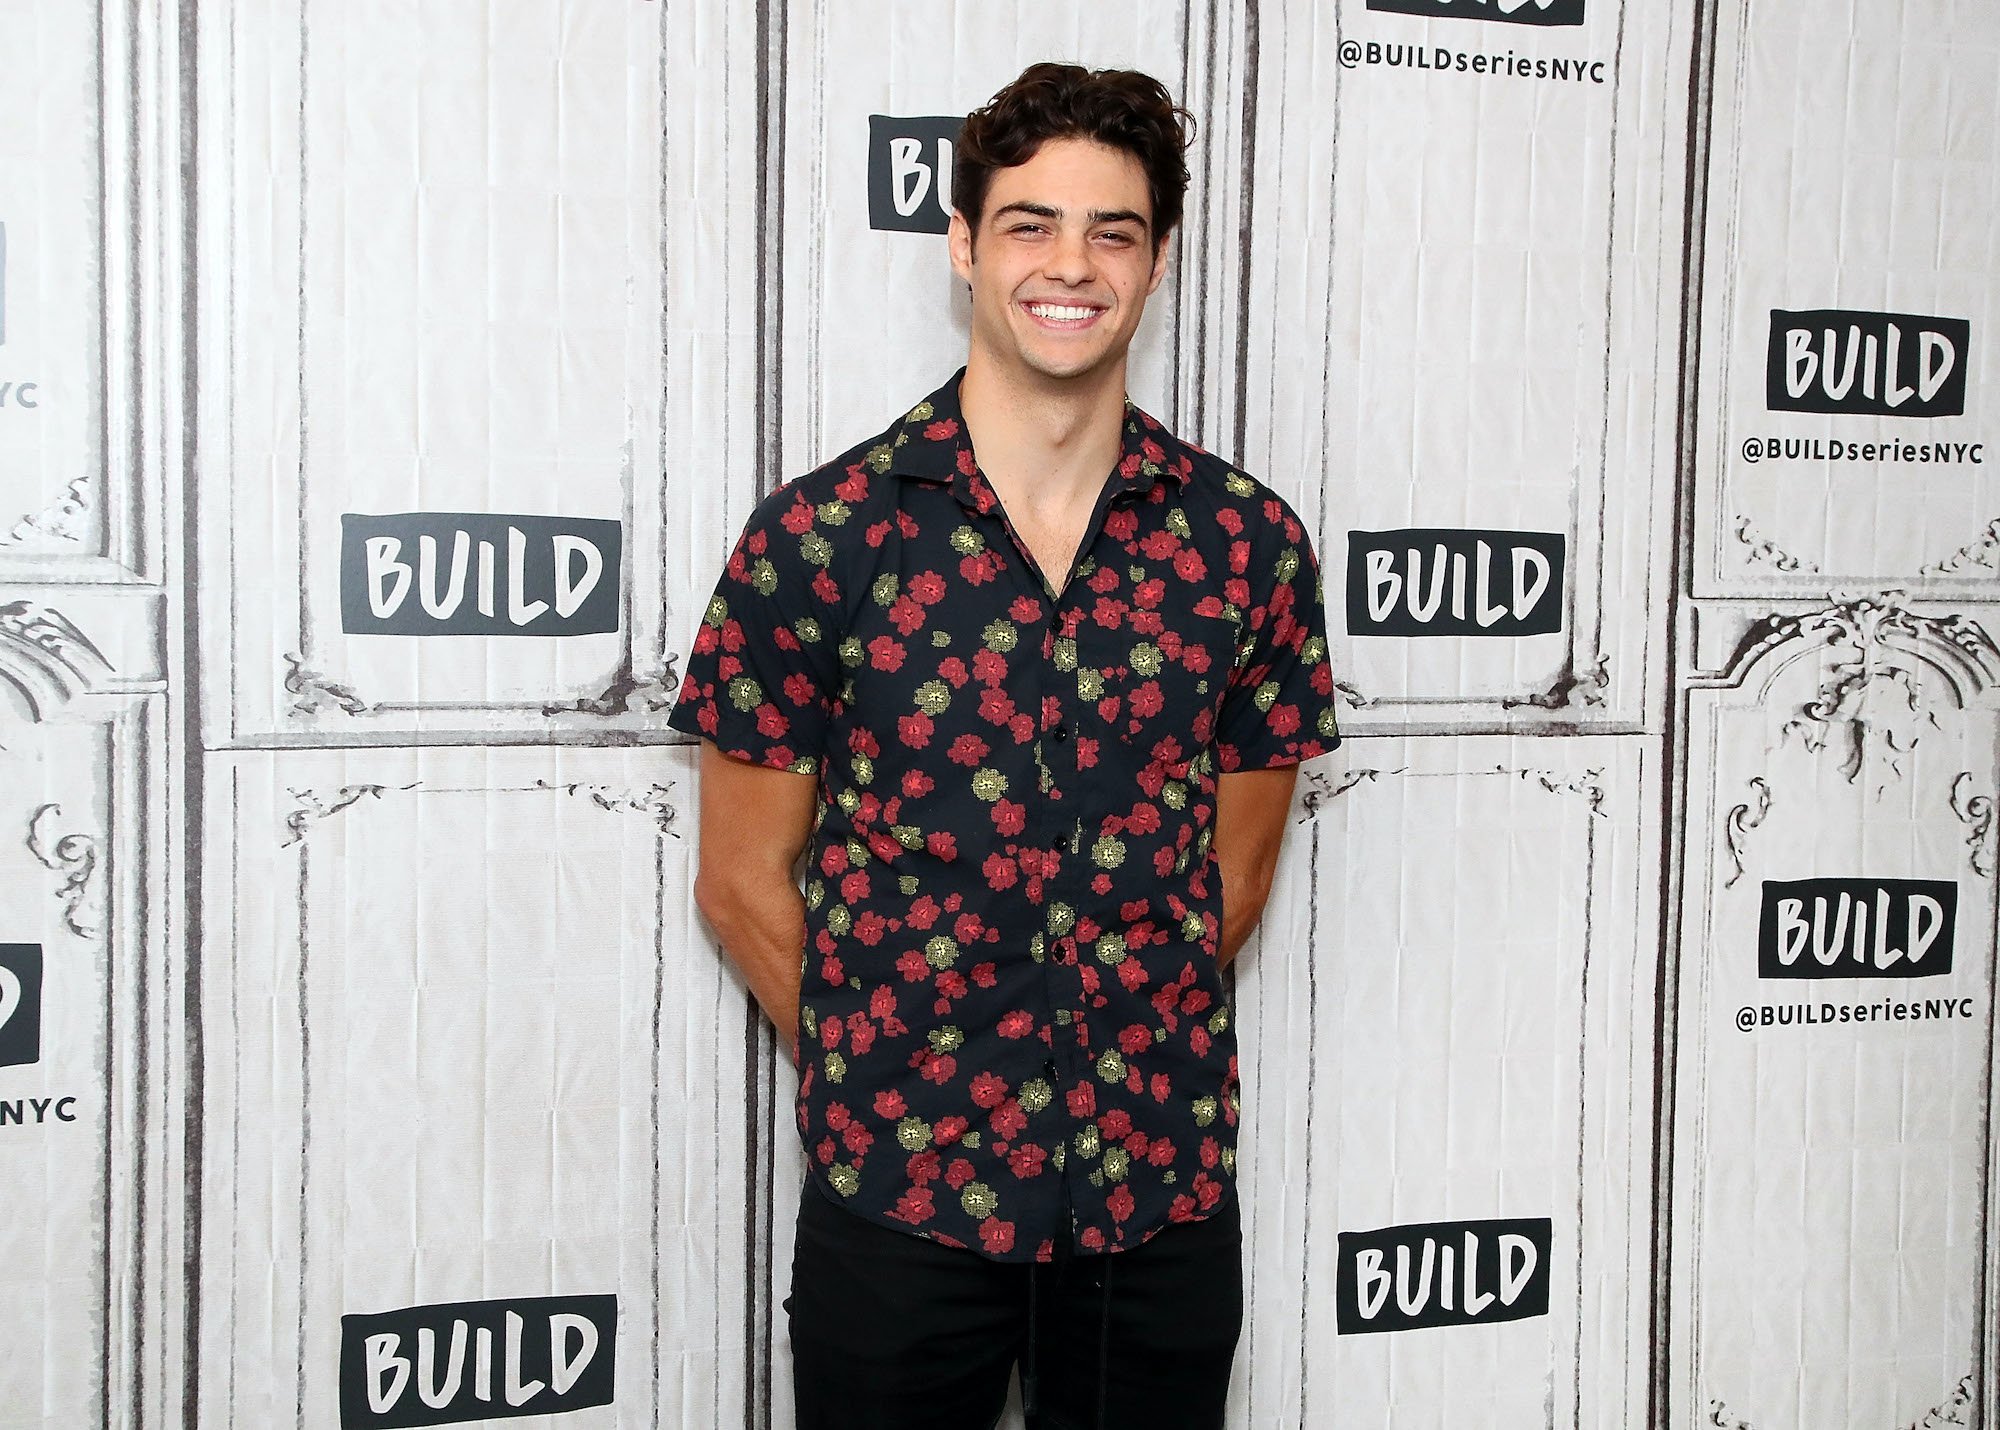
column 299, row 535
column 236, row 1067
column 1247, row 168
column 136, row 945
column 1582, row 1092
column 1312, row 1080
column 1596, row 650
column 667, row 329
column 193, row 789
column 1982, row 1302
column 102, row 175
column 1174, row 403
column 1673, row 762
column 653, row 1068
column 305, row 1121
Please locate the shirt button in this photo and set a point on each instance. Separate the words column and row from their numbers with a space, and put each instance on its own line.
column 1060, row 733
column 1049, row 1069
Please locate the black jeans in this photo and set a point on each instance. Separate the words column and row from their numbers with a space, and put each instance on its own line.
column 891, row 1330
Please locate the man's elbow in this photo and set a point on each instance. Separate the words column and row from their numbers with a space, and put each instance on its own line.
column 716, row 895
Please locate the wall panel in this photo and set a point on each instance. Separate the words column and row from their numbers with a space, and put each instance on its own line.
column 1849, row 174
column 457, row 265
column 1444, row 1017
column 91, row 1079
column 1465, row 310
column 79, row 166
column 1833, row 1210
column 463, row 1047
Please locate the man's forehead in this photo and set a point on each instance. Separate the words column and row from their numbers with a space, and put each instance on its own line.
column 1078, row 176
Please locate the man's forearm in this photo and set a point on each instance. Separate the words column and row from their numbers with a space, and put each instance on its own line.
column 1250, row 811
column 1243, row 898
column 762, row 928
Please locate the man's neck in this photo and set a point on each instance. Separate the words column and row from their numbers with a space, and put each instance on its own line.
column 1043, row 442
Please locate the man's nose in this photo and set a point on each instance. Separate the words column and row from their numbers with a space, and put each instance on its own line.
column 1068, row 260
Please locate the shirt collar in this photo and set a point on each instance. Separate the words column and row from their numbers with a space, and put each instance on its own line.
column 931, row 445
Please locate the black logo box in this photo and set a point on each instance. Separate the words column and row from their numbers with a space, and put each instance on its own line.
column 1856, row 928
column 1438, row 581
column 1513, row 12
column 488, row 569
column 1866, row 364
column 909, row 172
column 362, row 1373
column 20, row 1004
column 1408, row 1278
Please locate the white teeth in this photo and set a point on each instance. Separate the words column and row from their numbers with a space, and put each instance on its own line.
column 1059, row 314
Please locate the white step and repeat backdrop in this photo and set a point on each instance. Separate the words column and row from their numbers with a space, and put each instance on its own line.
column 350, row 985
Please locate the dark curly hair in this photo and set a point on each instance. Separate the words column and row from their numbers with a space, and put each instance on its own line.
column 1123, row 109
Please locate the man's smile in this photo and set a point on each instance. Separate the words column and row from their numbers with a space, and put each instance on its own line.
column 1063, row 317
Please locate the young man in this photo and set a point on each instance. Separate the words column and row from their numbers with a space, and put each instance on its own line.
column 1027, row 679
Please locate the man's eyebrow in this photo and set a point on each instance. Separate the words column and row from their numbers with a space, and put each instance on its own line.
column 1049, row 211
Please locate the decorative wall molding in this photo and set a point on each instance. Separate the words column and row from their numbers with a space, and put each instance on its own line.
column 1975, row 811
column 61, row 520
column 74, row 856
column 1955, row 1410
column 1589, row 784
column 1983, row 553
column 1323, row 788
column 1759, row 547
column 1576, row 685
column 628, row 693
column 46, row 658
column 1351, row 695
column 316, row 693
column 1873, row 698
column 310, row 806
column 650, row 801
column 1742, row 819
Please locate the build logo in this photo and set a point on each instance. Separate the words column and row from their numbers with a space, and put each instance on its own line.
column 1856, row 928
column 20, row 1004
column 1432, row 581
column 477, row 574
column 1514, row 12
column 909, row 172
column 477, row 1360
column 1879, row 364
column 1447, row 1273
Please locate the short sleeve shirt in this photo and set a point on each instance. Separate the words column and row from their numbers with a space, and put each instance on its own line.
column 1012, row 1029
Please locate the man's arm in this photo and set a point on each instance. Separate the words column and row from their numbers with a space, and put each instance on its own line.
column 1250, row 811
column 755, row 820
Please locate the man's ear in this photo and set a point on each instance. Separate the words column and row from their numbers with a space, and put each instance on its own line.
column 1159, row 263
column 958, row 240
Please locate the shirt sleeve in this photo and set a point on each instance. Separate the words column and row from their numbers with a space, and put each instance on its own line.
column 1279, row 707
column 761, row 675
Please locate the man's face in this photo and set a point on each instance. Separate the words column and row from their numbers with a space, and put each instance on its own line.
column 1064, row 261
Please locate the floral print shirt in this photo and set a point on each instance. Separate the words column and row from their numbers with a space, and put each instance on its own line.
column 1012, row 1026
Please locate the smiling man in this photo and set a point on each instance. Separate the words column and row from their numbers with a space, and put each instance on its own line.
column 1026, row 679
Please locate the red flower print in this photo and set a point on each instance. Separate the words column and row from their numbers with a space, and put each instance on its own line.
column 996, row 1236
column 1025, row 1160
column 885, row 653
